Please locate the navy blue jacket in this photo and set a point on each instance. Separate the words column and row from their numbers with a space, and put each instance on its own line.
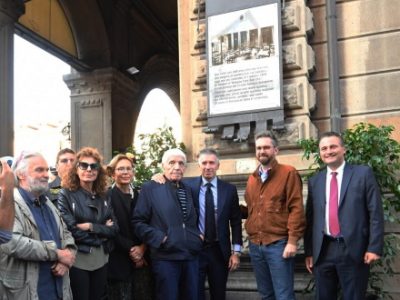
column 229, row 219
column 360, row 213
column 158, row 214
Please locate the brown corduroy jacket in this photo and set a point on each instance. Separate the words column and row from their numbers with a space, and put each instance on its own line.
column 275, row 207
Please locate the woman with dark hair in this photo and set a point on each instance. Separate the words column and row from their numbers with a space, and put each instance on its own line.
column 129, row 251
column 87, row 211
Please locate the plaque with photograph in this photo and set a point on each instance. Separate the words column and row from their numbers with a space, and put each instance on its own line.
column 244, row 54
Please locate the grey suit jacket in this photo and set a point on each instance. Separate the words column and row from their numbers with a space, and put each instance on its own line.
column 360, row 213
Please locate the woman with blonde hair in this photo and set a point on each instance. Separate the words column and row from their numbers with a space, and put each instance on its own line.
column 85, row 207
column 128, row 253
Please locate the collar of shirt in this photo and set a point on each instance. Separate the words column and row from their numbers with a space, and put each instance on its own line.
column 32, row 198
column 270, row 169
column 261, row 170
column 339, row 170
column 213, row 182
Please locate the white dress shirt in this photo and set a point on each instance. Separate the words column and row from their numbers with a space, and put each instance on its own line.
column 339, row 177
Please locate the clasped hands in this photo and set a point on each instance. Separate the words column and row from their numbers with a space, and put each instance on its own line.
column 136, row 254
column 65, row 260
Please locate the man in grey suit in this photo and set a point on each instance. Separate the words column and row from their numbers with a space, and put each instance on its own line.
column 345, row 226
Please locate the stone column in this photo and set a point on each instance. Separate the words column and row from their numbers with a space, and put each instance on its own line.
column 101, row 110
column 10, row 11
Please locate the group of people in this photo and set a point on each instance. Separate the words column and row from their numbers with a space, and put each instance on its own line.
column 189, row 230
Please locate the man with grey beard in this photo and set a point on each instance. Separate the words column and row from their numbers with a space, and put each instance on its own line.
column 34, row 264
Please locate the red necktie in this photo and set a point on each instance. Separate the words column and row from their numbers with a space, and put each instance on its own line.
column 334, row 227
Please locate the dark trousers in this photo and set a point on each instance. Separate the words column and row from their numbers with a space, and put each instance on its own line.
column 176, row 279
column 213, row 266
column 335, row 267
column 120, row 289
column 89, row 285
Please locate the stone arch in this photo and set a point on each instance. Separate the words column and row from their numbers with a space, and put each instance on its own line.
column 90, row 34
column 161, row 71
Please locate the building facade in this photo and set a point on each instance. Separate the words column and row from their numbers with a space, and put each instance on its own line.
column 340, row 67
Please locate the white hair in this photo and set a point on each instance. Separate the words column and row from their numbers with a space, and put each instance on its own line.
column 20, row 164
column 173, row 152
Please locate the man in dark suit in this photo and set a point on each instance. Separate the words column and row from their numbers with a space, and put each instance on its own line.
column 165, row 219
column 345, row 224
column 216, row 257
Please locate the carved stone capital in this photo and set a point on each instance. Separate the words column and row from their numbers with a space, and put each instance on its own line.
column 101, row 81
column 92, row 102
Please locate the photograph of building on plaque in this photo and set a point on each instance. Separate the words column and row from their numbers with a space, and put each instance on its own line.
column 244, row 67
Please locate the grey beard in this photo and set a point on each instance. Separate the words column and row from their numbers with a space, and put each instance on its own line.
column 38, row 187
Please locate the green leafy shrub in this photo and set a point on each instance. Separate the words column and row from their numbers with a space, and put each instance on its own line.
column 367, row 144
column 148, row 158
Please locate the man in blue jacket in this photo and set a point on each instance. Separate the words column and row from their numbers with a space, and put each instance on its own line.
column 166, row 220
column 345, row 225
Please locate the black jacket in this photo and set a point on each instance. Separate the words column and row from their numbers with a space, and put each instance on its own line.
column 54, row 189
column 81, row 207
column 120, row 266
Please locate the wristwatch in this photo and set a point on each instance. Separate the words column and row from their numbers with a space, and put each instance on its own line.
column 237, row 253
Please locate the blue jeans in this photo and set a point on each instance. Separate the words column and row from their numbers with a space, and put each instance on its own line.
column 274, row 274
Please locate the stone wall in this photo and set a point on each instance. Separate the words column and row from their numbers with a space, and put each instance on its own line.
column 298, row 63
column 369, row 72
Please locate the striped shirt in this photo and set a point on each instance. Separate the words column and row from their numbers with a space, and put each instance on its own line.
column 181, row 193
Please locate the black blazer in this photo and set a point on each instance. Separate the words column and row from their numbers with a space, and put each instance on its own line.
column 360, row 213
column 228, row 213
column 120, row 266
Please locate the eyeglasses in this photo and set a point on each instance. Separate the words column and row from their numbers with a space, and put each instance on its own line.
column 66, row 160
column 124, row 169
column 84, row 166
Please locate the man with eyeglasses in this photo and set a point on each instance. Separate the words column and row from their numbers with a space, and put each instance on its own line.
column 275, row 220
column 64, row 161
column 34, row 264
column 6, row 201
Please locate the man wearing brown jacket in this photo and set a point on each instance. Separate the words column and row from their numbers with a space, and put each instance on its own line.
column 275, row 220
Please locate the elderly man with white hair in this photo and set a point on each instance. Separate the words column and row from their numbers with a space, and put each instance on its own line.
column 166, row 220
column 34, row 264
